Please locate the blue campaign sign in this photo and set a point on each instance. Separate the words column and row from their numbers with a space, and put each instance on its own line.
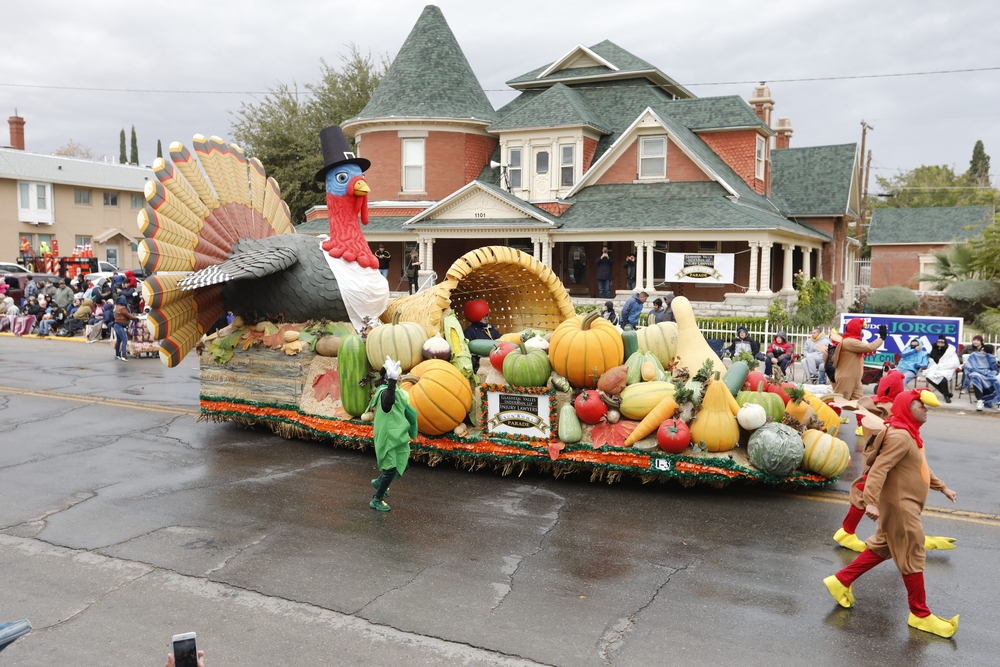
column 902, row 330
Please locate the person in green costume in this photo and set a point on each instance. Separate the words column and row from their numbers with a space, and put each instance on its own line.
column 395, row 426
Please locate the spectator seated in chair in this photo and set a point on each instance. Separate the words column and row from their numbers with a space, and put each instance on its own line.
column 980, row 374
column 912, row 360
column 941, row 368
column 814, row 354
column 744, row 343
column 779, row 353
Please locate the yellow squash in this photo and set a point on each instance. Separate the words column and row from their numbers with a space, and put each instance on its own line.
column 715, row 425
column 639, row 399
column 661, row 340
column 692, row 349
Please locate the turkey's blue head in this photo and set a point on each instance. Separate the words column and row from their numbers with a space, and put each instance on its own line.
column 346, row 188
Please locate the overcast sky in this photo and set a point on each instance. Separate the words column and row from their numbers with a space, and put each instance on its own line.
column 251, row 45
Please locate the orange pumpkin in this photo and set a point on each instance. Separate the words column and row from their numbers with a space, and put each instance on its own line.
column 584, row 347
column 440, row 394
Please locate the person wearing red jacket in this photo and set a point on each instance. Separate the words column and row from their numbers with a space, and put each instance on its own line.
column 896, row 488
column 779, row 353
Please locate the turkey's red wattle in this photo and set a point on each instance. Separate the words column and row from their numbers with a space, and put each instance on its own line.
column 346, row 241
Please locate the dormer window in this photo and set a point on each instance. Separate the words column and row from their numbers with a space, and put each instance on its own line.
column 761, row 145
column 652, row 157
column 567, row 165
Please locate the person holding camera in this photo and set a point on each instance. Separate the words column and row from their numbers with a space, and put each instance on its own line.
column 604, row 268
column 629, row 267
column 848, row 359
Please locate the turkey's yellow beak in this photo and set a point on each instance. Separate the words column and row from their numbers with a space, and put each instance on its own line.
column 361, row 188
column 929, row 399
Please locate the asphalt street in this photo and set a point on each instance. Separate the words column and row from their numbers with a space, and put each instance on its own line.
column 124, row 520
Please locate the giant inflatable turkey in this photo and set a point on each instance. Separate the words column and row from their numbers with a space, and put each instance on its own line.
column 219, row 238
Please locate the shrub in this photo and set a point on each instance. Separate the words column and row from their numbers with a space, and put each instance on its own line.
column 973, row 296
column 813, row 306
column 989, row 322
column 730, row 322
column 583, row 310
column 893, row 301
column 777, row 316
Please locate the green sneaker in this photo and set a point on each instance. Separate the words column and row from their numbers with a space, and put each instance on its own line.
column 379, row 505
column 375, row 486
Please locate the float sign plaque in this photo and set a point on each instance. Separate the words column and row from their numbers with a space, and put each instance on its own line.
column 511, row 412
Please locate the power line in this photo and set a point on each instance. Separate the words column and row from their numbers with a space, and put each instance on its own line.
column 503, row 90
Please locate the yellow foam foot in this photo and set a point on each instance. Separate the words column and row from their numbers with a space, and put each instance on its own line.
column 859, row 431
column 848, row 540
column 841, row 593
column 934, row 625
column 939, row 543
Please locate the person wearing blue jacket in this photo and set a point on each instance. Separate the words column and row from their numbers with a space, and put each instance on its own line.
column 913, row 360
column 632, row 309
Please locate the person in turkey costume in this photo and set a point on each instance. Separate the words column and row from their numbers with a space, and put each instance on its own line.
column 395, row 425
column 848, row 358
column 896, row 488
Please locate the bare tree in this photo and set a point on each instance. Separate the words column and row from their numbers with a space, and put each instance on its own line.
column 75, row 149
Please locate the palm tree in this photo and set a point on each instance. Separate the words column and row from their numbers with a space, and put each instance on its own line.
column 951, row 267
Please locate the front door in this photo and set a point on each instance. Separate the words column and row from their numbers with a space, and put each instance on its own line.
column 540, row 175
column 112, row 255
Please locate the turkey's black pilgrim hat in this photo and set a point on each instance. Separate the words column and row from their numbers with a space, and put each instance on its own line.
column 336, row 151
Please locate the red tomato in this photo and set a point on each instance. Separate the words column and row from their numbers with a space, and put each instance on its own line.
column 754, row 378
column 589, row 407
column 499, row 353
column 673, row 436
column 779, row 389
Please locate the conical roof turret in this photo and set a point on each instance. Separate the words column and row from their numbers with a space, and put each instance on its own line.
column 430, row 78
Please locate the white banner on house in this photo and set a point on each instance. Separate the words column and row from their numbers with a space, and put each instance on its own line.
column 711, row 268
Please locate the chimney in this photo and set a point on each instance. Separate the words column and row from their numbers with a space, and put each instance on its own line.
column 762, row 103
column 783, row 128
column 16, row 131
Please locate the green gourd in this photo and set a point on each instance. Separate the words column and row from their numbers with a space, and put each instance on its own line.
column 776, row 449
column 482, row 347
column 772, row 403
column 736, row 376
column 630, row 340
column 570, row 430
column 526, row 368
column 352, row 368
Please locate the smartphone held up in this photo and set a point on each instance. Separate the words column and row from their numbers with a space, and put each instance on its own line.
column 185, row 650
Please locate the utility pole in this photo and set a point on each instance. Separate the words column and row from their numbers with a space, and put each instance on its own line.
column 864, row 179
column 863, row 228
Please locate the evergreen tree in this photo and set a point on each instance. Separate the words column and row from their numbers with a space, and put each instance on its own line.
column 134, row 155
column 121, row 148
column 979, row 167
column 159, row 149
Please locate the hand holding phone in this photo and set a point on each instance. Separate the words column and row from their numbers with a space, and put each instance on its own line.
column 186, row 653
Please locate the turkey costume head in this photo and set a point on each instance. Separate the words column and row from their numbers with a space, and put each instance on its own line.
column 346, row 198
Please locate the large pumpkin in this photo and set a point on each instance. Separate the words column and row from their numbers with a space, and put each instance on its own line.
column 772, row 403
column 661, row 340
column 441, row 395
column 640, row 398
column 403, row 341
column 526, row 368
column 825, row 455
column 583, row 347
column 775, row 449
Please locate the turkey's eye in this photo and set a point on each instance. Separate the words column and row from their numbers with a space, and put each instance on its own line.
column 342, row 177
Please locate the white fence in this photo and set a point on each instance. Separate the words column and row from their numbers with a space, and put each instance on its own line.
column 862, row 273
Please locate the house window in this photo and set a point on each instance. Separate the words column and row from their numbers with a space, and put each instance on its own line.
column 81, row 197
column 82, row 241
column 111, row 199
column 567, row 164
column 761, row 143
column 542, row 163
column 708, row 246
column 514, row 168
column 35, row 203
column 413, row 165
column 137, row 201
column 653, row 157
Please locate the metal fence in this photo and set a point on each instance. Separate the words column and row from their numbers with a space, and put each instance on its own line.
column 862, row 273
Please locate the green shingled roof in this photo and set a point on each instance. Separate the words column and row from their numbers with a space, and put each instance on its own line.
column 813, row 181
column 938, row 224
column 709, row 113
column 430, row 78
column 376, row 225
column 558, row 106
column 614, row 54
column 669, row 206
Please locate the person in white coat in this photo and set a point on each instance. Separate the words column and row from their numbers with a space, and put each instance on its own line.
column 944, row 362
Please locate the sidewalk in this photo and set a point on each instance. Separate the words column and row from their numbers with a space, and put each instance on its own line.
column 75, row 339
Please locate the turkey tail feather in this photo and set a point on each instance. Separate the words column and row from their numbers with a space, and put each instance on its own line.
column 201, row 204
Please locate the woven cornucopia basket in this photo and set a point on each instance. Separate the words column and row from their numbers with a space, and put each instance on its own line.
column 522, row 293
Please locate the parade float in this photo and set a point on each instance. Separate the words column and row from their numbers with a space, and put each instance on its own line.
column 559, row 392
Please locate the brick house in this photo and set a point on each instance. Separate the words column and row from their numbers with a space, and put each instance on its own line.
column 903, row 240
column 599, row 148
column 47, row 198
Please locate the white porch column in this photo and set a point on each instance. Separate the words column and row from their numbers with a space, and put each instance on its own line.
column 649, row 282
column 640, row 263
column 787, row 282
column 754, row 276
column 807, row 254
column 429, row 266
column 765, row 268
column 547, row 244
column 536, row 248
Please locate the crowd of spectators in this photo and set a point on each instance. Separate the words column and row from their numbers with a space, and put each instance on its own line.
column 66, row 308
